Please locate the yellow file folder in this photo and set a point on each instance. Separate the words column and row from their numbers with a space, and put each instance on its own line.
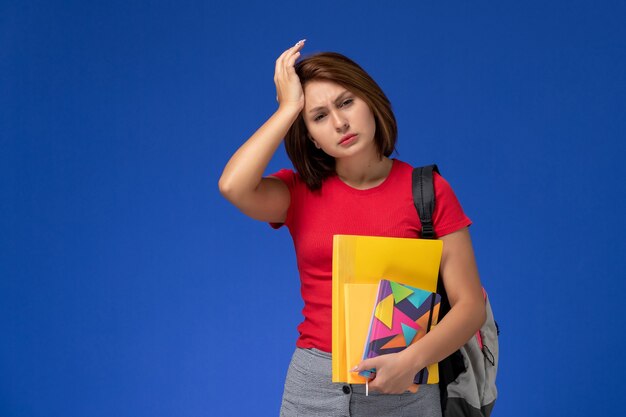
column 359, row 262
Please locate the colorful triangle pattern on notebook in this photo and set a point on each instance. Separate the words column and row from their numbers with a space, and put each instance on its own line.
column 401, row 316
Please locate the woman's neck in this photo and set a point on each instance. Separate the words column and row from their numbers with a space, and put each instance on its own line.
column 364, row 174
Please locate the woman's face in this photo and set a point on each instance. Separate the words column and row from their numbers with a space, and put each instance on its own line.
column 339, row 122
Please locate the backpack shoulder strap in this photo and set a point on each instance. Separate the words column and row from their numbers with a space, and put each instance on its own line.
column 424, row 198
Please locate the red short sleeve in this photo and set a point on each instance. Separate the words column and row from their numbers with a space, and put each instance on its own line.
column 290, row 178
column 448, row 216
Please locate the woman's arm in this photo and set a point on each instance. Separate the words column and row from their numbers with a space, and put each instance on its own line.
column 395, row 372
column 242, row 181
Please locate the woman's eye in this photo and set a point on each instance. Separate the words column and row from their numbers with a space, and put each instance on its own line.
column 347, row 102
column 318, row 117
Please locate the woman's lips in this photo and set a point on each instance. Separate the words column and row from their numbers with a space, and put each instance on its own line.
column 348, row 139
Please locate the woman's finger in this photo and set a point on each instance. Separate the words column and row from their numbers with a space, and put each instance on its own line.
column 288, row 54
column 295, row 52
column 279, row 63
column 292, row 60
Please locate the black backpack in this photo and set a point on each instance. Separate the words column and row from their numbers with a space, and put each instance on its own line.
column 467, row 377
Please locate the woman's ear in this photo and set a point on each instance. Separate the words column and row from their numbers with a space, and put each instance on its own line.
column 313, row 140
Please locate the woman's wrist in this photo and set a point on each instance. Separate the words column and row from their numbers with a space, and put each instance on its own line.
column 290, row 108
column 412, row 359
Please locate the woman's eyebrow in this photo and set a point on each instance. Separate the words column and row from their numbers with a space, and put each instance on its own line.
column 337, row 102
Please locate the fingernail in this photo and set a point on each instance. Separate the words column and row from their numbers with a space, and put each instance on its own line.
column 301, row 41
column 354, row 369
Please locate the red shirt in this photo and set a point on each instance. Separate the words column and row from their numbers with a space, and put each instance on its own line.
column 314, row 217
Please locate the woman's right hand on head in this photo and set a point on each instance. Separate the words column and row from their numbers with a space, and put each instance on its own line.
column 288, row 88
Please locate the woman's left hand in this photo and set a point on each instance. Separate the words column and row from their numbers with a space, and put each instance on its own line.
column 394, row 374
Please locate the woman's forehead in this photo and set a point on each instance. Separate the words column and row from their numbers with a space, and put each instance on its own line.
column 320, row 92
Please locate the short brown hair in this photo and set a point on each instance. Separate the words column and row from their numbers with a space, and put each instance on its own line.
column 313, row 164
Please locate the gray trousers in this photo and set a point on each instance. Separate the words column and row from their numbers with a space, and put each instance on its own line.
column 309, row 392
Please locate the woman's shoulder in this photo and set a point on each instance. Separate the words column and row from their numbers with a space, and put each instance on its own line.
column 288, row 176
column 442, row 187
column 406, row 167
column 400, row 169
column 401, row 165
column 283, row 173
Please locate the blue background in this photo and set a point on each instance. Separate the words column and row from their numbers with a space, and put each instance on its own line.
column 130, row 287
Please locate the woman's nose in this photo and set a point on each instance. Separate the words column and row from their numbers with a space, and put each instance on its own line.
column 341, row 124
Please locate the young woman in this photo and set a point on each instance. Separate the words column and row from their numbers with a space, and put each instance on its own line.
column 339, row 132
